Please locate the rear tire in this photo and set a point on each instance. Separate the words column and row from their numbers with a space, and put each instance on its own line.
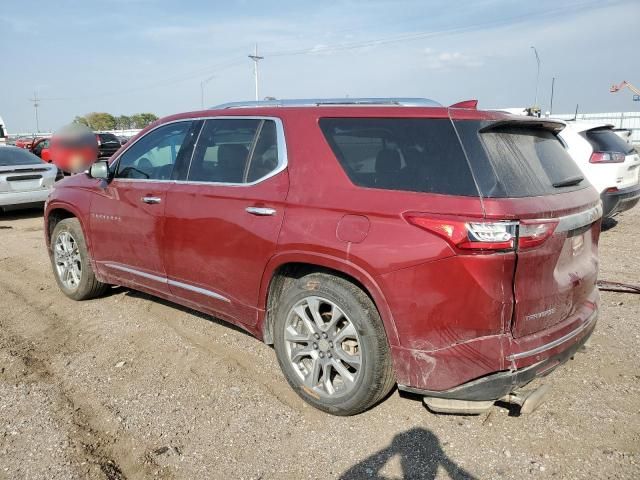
column 338, row 359
column 70, row 262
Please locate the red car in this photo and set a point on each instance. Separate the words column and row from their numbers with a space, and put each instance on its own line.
column 41, row 148
column 25, row 142
column 373, row 242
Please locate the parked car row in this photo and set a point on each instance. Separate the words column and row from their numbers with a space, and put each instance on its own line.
column 374, row 242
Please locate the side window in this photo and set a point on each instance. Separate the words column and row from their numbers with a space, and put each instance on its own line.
column 154, row 156
column 234, row 151
column 265, row 153
column 409, row 154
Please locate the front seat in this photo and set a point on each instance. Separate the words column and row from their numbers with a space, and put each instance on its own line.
column 232, row 159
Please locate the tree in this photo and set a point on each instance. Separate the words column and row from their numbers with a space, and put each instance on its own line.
column 141, row 120
column 123, row 122
column 101, row 121
column 81, row 120
column 106, row 121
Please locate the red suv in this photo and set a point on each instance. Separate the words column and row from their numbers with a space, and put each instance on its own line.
column 373, row 242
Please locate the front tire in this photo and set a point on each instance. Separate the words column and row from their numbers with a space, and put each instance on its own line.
column 331, row 345
column 70, row 262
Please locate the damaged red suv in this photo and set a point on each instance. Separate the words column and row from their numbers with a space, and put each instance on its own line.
column 374, row 242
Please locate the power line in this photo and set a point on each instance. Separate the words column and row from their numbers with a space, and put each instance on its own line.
column 557, row 12
column 435, row 33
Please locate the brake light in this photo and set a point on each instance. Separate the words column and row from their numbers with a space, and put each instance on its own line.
column 533, row 233
column 607, row 157
column 474, row 235
column 487, row 236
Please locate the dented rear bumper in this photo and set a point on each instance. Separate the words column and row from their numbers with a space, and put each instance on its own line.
column 522, row 366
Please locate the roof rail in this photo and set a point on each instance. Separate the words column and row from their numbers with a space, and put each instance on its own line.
column 332, row 102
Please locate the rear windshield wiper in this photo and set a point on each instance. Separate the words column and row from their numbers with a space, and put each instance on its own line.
column 568, row 182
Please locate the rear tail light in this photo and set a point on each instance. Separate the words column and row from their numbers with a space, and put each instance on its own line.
column 533, row 233
column 607, row 157
column 483, row 236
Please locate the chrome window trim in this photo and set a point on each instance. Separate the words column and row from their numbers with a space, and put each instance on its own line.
column 283, row 157
column 556, row 342
column 167, row 281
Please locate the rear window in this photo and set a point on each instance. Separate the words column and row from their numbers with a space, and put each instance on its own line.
column 410, row 154
column 14, row 156
column 606, row 140
column 518, row 161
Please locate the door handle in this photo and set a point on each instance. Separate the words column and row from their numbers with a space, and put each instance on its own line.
column 151, row 200
column 261, row 211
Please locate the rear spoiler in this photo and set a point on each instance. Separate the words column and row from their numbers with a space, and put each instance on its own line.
column 532, row 122
column 471, row 104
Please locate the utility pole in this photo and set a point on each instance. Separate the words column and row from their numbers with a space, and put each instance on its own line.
column 256, row 58
column 36, row 104
column 202, row 84
column 553, row 83
column 535, row 101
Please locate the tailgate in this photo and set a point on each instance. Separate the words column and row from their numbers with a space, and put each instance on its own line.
column 526, row 176
column 556, row 279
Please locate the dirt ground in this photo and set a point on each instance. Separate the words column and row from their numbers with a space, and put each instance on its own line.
column 128, row 386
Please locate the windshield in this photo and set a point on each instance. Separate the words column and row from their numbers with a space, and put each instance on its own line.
column 13, row 156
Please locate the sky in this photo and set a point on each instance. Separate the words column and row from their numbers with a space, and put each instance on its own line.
column 128, row 56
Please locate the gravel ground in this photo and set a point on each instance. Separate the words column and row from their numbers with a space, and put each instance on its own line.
column 128, row 386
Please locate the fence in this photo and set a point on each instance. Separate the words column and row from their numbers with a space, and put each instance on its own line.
column 628, row 120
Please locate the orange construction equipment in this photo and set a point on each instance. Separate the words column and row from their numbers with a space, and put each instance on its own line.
column 617, row 88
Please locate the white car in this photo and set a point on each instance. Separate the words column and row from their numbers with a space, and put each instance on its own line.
column 25, row 180
column 610, row 163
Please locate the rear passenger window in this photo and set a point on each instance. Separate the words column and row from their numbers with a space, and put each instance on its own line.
column 234, row 151
column 412, row 154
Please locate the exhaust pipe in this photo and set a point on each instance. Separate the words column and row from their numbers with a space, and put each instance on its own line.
column 528, row 401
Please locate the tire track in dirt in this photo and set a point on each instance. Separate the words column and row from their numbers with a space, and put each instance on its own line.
column 111, row 452
column 242, row 362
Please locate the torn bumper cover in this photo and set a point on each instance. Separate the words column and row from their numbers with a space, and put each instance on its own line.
column 496, row 385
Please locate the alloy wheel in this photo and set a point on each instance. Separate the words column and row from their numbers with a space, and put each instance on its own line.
column 323, row 346
column 66, row 255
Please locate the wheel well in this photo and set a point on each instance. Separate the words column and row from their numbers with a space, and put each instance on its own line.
column 288, row 273
column 55, row 216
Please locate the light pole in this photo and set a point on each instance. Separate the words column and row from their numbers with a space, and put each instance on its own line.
column 36, row 104
column 202, row 84
column 553, row 84
column 256, row 58
column 535, row 101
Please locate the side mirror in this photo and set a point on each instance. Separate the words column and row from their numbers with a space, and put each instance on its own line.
column 99, row 170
